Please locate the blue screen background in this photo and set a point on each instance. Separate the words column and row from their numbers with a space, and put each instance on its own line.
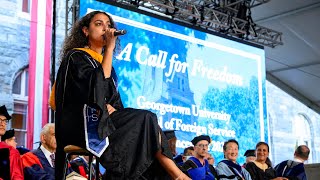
column 234, row 109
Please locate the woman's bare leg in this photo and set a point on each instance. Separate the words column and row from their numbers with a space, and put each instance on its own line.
column 171, row 167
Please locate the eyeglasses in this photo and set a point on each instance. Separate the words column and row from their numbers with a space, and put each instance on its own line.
column 5, row 121
column 203, row 145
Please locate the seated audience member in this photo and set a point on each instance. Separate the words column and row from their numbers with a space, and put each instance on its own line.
column 197, row 166
column 187, row 153
column 9, row 138
column 261, row 169
column 294, row 169
column 250, row 156
column 229, row 168
column 39, row 164
column 10, row 164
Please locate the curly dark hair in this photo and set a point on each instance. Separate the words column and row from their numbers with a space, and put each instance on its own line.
column 77, row 39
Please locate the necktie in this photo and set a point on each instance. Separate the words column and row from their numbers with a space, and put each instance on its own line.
column 52, row 159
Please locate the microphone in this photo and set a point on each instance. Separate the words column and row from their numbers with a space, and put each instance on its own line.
column 119, row 32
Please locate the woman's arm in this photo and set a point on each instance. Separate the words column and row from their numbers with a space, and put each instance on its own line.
column 110, row 42
column 107, row 63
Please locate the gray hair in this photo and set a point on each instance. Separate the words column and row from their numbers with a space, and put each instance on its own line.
column 46, row 128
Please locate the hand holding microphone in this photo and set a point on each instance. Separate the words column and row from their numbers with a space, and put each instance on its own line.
column 116, row 33
column 119, row 32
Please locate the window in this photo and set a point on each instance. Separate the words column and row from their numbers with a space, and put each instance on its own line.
column 302, row 131
column 182, row 84
column 178, row 82
column 25, row 7
column 20, row 100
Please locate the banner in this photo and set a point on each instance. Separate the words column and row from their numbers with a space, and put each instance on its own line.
column 197, row 83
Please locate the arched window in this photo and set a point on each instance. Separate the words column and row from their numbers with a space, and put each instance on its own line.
column 302, row 132
column 20, row 100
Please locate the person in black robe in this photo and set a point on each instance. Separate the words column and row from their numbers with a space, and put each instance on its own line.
column 85, row 83
column 261, row 168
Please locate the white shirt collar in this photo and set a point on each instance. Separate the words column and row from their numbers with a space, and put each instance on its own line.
column 298, row 160
column 47, row 154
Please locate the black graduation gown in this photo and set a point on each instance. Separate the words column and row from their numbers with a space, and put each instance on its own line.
column 258, row 174
column 134, row 134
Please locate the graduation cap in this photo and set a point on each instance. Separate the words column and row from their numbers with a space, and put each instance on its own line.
column 4, row 112
column 199, row 138
column 9, row 134
column 169, row 134
column 250, row 152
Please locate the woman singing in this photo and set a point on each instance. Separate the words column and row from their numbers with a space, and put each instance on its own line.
column 86, row 83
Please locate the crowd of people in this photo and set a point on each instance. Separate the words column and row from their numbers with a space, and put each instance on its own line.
column 37, row 164
column 195, row 162
column 128, row 142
